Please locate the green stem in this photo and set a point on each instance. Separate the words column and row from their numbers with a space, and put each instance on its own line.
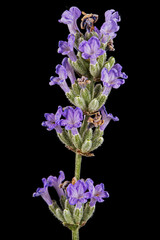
column 75, row 234
column 78, row 161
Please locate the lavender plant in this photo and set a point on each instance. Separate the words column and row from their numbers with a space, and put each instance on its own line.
column 80, row 126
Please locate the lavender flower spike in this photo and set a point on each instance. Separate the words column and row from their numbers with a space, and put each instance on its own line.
column 55, row 182
column 97, row 192
column 91, row 49
column 70, row 18
column 61, row 79
column 106, row 117
column 53, row 120
column 69, row 69
column 43, row 192
column 113, row 78
column 66, row 48
column 73, row 119
column 77, row 193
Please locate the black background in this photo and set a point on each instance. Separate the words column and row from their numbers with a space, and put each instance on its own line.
column 40, row 153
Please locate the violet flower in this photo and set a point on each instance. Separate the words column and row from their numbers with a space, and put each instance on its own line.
column 91, row 49
column 43, row 192
column 110, row 27
column 77, row 193
column 106, row 117
column 53, row 120
column 67, row 48
column 55, row 182
column 70, row 18
column 69, row 69
column 61, row 79
column 73, row 119
column 113, row 78
column 97, row 192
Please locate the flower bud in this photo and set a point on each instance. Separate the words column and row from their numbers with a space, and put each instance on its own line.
column 101, row 100
column 64, row 138
column 87, row 214
column 70, row 95
column 76, row 89
column 110, row 63
column 77, row 141
column 77, row 214
column 97, row 143
column 88, row 134
column 97, row 90
column 79, row 102
column 67, row 216
column 86, row 146
column 85, row 94
column 101, row 60
column 94, row 69
column 79, row 67
column 94, row 105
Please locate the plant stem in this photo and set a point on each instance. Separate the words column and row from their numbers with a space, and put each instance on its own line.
column 78, row 161
column 75, row 234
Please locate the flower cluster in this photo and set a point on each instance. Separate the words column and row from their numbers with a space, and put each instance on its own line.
column 87, row 77
column 77, row 194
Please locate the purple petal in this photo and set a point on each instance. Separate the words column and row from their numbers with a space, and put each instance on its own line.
column 94, row 43
column 76, row 12
column 71, row 40
column 61, row 177
column 61, row 71
column 92, row 202
column 82, row 45
column 73, row 201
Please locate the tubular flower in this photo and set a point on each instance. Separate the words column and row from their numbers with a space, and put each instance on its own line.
column 53, row 120
column 77, row 193
column 91, row 49
column 43, row 192
column 67, row 48
column 97, row 192
column 113, row 78
column 55, row 182
column 73, row 119
column 70, row 18
column 106, row 117
column 61, row 79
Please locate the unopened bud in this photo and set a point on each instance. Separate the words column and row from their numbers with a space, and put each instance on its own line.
column 94, row 69
column 86, row 146
column 93, row 106
column 79, row 102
